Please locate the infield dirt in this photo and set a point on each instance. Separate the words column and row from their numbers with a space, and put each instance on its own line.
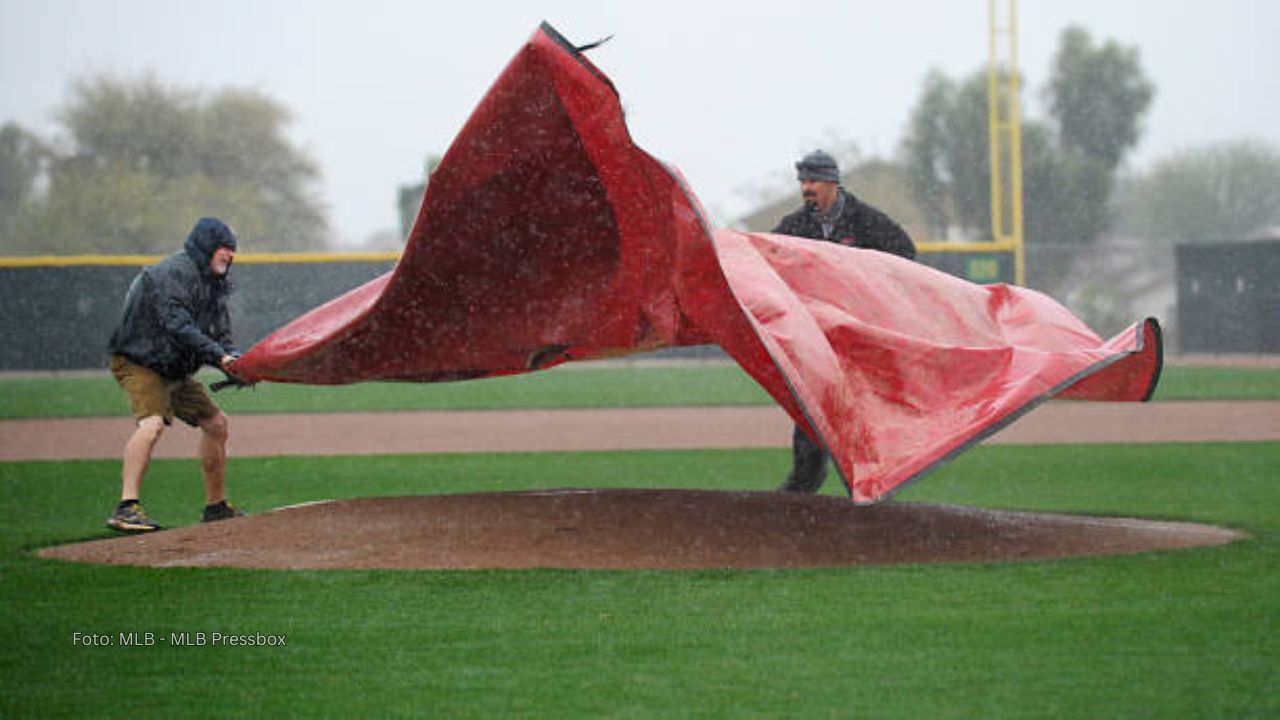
column 630, row 529
column 637, row 528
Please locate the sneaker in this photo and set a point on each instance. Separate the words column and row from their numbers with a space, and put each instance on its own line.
column 220, row 511
column 131, row 518
column 807, row 486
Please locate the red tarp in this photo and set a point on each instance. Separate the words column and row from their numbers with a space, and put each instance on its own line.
column 546, row 235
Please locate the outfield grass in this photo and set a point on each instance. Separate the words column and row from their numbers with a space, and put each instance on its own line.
column 1182, row 634
column 583, row 385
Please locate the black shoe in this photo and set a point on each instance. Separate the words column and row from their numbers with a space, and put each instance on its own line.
column 131, row 518
column 806, row 486
column 220, row 511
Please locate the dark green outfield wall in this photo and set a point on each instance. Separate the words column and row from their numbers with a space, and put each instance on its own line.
column 59, row 317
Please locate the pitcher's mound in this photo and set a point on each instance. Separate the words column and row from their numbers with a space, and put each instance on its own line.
column 632, row 529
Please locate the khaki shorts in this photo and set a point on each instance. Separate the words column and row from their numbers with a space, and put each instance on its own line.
column 151, row 394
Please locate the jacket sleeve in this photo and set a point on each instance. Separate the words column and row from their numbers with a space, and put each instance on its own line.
column 174, row 306
column 885, row 234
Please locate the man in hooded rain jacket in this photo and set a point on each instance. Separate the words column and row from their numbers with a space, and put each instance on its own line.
column 175, row 321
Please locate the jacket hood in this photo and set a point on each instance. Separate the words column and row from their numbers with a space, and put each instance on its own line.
column 206, row 237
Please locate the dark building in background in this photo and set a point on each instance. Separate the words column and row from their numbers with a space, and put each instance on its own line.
column 1229, row 297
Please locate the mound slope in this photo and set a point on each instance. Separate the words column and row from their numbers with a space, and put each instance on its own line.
column 629, row 529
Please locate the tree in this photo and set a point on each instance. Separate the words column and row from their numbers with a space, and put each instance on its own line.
column 1068, row 167
column 1225, row 191
column 947, row 155
column 967, row 156
column 1066, row 196
column 924, row 149
column 1098, row 96
column 21, row 157
column 144, row 160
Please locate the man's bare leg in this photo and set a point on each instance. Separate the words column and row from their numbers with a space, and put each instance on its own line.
column 137, row 455
column 213, row 457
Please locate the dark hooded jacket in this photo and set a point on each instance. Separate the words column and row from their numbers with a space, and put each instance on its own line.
column 859, row 225
column 175, row 314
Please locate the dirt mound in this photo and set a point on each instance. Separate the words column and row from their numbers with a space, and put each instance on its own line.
column 632, row 529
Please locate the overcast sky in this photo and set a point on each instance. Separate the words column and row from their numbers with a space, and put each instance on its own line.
column 731, row 92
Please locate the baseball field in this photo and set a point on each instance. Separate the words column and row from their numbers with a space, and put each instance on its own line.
column 1183, row 633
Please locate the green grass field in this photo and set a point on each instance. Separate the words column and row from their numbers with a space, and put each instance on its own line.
column 1189, row 633
column 1177, row 634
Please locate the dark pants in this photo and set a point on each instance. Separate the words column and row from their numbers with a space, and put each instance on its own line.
column 808, row 464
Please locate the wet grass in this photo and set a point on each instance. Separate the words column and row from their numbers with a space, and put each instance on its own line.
column 1174, row 634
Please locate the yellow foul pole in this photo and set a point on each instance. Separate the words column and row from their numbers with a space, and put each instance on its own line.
column 1004, row 132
